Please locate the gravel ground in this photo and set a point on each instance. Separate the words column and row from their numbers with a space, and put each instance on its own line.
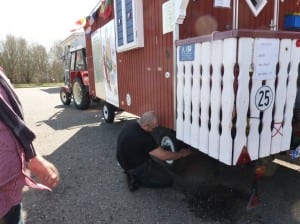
column 93, row 187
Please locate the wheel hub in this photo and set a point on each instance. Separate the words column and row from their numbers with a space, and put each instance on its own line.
column 167, row 144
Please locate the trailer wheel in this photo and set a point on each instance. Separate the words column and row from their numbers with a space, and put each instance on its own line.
column 108, row 113
column 65, row 96
column 80, row 94
column 168, row 141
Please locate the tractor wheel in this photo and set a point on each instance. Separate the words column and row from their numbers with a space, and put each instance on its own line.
column 108, row 113
column 80, row 94
column 65, row 96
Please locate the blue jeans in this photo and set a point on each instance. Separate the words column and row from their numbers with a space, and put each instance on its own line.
column 13, row 216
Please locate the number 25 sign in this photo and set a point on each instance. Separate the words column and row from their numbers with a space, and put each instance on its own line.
column 263, row 98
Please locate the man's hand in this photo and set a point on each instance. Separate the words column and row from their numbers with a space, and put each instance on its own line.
column 185, row 152
column 45, row 171
column 162, row 154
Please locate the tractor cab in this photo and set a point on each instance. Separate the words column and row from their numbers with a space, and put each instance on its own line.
column 74, row 60
column 78, row 59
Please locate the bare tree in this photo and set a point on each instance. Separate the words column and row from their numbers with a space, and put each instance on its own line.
column 9, row 56
column 28, row 63
column 23, row 67
column 40, row 57
column 56, row 68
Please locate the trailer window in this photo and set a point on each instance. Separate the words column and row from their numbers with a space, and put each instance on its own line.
column 129, row 24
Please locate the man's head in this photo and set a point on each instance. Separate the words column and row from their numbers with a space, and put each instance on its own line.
column 148, row 121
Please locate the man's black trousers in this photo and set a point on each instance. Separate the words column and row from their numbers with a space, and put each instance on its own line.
column 151, row 174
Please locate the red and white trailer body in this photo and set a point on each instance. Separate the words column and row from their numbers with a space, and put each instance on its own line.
column 221, row 73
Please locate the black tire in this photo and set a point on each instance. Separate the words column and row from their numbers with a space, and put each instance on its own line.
column 167, row 140
column 80, row 95
column 65, row 96
column 108, row 113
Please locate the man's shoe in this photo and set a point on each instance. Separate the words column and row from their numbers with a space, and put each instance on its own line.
column 132, row 184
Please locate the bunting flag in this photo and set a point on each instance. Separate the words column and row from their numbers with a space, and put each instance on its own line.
column 81, row 22
column 105, row 9
column 89, row 23
column 75, row 29
column 91, row 20
column 88, row 30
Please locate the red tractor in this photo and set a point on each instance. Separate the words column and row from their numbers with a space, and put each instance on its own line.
column 76, row 79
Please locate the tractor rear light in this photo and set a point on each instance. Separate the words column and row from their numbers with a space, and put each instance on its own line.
column 244, row 157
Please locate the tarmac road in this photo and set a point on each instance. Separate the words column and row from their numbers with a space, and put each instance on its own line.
column 93, row 188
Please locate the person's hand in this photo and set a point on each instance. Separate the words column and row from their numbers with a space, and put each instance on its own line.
column 44, row 170
column 185, row 152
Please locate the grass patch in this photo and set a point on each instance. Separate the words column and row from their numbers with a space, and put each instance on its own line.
column 32, row 85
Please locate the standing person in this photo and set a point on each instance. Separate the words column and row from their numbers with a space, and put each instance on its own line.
column 16, row 154
column 135, row 149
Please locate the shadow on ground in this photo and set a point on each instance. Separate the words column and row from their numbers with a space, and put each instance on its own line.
column 85, row 161
column 218, row 193
column 51, row 90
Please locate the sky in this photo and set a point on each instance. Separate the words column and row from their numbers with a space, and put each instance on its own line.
column 42, row 21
